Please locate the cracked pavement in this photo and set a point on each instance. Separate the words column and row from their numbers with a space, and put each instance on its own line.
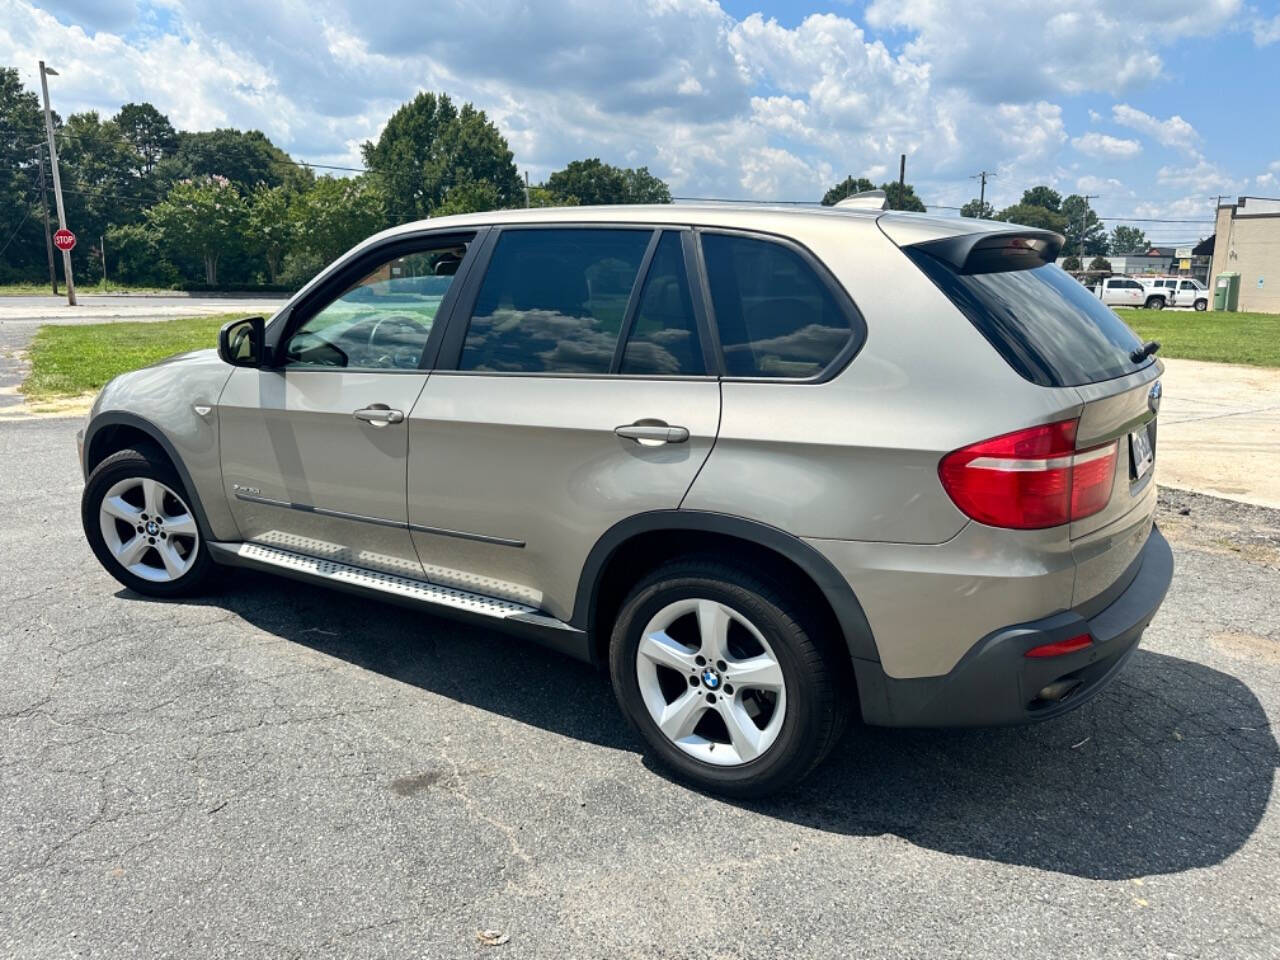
column 280, row 771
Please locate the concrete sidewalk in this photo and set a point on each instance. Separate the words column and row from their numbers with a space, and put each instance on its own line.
column 1220, row 431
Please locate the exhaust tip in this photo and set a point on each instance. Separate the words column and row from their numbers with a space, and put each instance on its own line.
column 1059, row 690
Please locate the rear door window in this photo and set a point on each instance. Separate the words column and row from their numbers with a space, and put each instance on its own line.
column 664, row 335
column 776, row 317
column 553, row 300
column 1045, row 325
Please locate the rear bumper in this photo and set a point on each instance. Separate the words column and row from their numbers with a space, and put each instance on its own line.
column 995, row 683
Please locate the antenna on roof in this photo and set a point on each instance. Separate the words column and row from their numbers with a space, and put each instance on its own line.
column 866, row 200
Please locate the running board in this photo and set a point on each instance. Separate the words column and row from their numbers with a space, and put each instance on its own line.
column 506, row 614
column 342, row 574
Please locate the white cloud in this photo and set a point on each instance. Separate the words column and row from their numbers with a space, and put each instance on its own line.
column 1203, row 177
column 1101, row 145
column 715, row 105
column 1173, row 132
column 995, row 48
column 1270, row 178
column 1266, row 32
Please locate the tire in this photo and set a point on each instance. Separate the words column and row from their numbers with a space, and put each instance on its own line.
column 142, row 490
column 1202, row 305
column 793, row 733
column 1155, row 303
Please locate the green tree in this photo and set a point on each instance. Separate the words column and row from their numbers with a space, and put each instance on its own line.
column 336, row 214
column 99, row 186
column 429, row 147
column 902, row 198
column 21, row 224
column 1071, row 263
column 978, row 209
column 1043, row 196
column 203, row 215
column 1100, row 263
column 644, row 187
column 1085, row 233
column 473, row 196
column 846, row 188
column 594, row 183
column 245, row 157
column 1128, row 240
column 269, row 227
column 135, row 255
column 540, row 196
column 1032, row 215
column 150, row 134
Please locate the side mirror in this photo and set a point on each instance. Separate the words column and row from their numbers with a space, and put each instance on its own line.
column 240, row 342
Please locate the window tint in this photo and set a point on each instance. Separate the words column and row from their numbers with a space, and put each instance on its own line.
column 1188, row 285
column 383, row 321
column 1045, row 325
column 664, row 335
column 552, row 301
column 775, row 316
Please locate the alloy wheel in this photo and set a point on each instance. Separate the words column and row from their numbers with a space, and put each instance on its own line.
column 711, row 682
column 149, row 529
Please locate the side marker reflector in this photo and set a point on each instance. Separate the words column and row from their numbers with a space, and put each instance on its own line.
column 1061, row 648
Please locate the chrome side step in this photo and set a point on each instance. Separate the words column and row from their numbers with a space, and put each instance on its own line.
column 345, row 575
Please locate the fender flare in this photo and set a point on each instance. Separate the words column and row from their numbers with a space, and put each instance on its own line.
column 118, row 418
column 835, row 588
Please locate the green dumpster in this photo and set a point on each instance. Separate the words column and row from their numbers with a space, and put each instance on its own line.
column 1226, row 292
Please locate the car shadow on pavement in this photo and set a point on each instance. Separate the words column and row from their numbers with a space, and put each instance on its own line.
column 1169, row 769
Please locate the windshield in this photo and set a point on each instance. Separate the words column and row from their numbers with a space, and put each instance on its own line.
column 1045, row 324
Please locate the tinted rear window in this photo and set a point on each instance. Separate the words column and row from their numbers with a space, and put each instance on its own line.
column 1045, row 324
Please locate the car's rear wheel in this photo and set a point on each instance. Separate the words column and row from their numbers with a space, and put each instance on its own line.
column 140, row 525
column 725, row 678
column 1155, row 303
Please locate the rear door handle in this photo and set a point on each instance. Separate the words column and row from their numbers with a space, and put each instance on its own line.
column 378, row 414
column 652, row 432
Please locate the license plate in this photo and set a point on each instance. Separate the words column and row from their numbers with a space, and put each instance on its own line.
column 1142, row 453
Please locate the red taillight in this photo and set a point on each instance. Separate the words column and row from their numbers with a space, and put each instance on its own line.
column 1030, row 479
column 1061, row 648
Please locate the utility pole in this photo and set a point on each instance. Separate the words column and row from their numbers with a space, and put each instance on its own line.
column 57, row 182
column 1084, row 221
column 902, row 181
column 44, row 208
column 526, row 189
column 102, row 249
column 982, row 191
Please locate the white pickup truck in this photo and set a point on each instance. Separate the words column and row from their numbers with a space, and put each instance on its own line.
column 1121, row 292
column 1175, row 292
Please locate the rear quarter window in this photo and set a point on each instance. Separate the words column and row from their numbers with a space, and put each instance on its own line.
column 776, row 317
column 1045, row 325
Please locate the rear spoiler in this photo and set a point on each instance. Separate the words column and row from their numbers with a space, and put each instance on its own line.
column 996, row 251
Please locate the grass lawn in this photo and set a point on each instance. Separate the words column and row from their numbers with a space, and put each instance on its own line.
column 44, row 290
column 67, row 361
column 1250, row 338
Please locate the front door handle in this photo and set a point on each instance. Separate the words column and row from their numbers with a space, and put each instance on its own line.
column 378, row 414
column 652, row 432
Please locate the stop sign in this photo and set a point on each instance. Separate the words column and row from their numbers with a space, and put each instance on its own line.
column 64, row 240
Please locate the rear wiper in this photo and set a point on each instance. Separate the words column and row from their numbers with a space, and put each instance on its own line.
column 1144, row 351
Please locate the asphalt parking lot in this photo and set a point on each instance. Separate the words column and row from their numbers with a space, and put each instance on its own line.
column 278, row 771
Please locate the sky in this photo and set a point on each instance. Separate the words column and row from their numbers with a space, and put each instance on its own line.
column 1155, row 106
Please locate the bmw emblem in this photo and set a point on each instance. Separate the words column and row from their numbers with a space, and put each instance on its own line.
column 1153, row 397
column 711, row 679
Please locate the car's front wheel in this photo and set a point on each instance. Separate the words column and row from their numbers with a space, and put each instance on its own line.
column 1202, row 305
column 726, row 679
column 139, row 523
